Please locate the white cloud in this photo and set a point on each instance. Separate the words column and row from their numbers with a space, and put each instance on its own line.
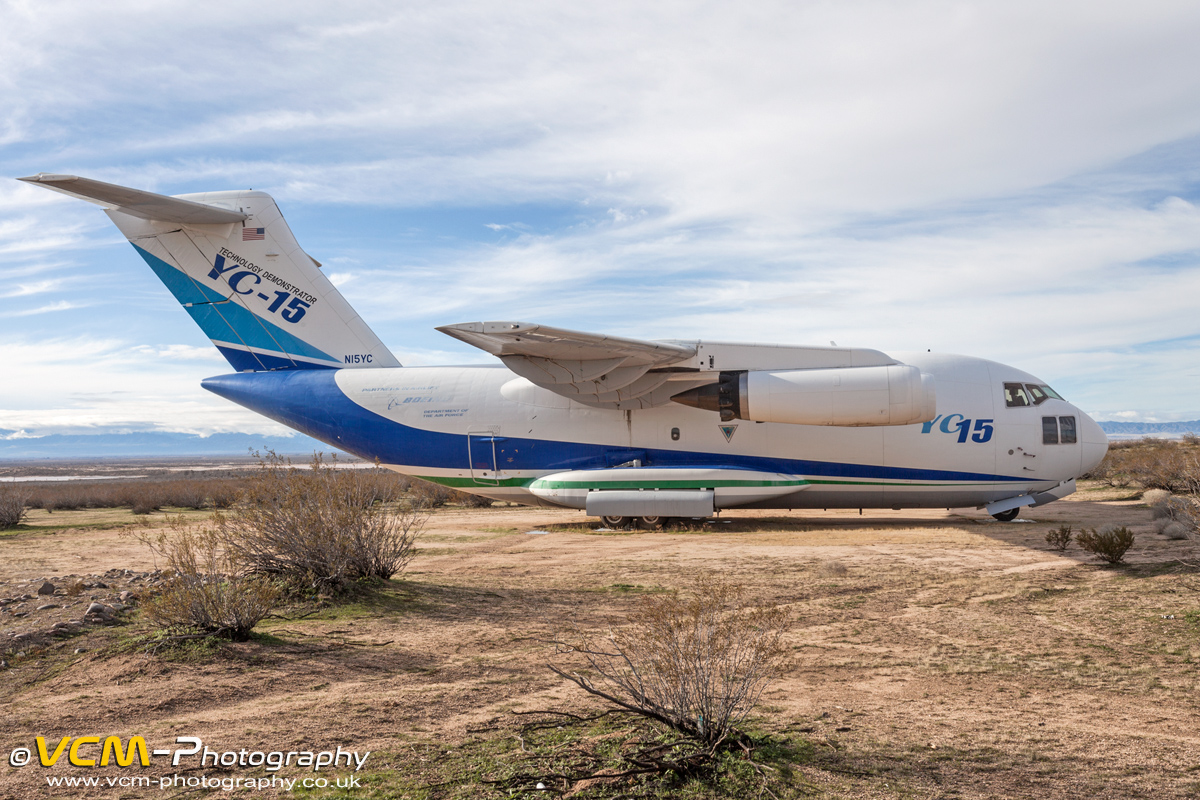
column 19, row 435
column 181, row 352
column 61, row 305
column 1015, row 179
column 24, row 289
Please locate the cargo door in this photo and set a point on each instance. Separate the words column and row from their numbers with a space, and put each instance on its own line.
column 481, row 450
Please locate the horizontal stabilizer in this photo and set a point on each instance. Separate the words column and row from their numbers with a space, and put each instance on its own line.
column 137, row 203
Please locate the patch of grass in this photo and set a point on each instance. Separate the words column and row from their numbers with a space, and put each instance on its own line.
column 267, row 639
column 367, row 598
column 169, row 648
column 55, row 527
column 434, row 551
column 509, row 761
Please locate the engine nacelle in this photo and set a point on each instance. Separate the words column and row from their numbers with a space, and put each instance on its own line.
column 898, row 394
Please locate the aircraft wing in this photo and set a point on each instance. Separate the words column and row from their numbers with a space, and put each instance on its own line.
column 846, row 386
column 592, row 368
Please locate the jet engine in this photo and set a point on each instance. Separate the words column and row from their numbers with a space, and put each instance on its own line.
column 847, row 396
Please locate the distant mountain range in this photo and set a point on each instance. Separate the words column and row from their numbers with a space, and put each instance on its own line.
column 1150, row 428
column 118, row 445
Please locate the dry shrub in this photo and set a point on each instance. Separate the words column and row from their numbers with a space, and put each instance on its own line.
column 75, row 588
column 1174, row 530
column 223, row 494
column 833, row 569
column 1059, row 538
column 188, row 494
column 1109, row 543
column 434, row 495
column 695, row 663
column 210, row 593
column 13, row 504
column 472, row 500
column 1175, row 517
column 145, row 501
column 429, row 494
column 1152, row 464
column 142, row 495
column 322, row 526
column 1153, row 497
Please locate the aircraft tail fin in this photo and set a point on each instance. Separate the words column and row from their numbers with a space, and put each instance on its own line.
column 231, row 260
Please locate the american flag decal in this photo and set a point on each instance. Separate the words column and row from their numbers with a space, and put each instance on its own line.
column 253, row 234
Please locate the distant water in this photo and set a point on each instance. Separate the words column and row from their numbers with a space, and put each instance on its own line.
column 48, row 478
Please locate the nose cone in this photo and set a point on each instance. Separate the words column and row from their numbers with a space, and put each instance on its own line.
column 1094, row 443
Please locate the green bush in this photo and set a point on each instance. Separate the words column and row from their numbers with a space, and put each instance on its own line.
column 1059, row 538
column 1109, row 543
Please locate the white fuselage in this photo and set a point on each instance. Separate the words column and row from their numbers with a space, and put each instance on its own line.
column 488, row 431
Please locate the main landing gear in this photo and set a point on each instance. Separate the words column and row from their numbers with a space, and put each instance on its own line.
column 642, row 523
column 1007, row 516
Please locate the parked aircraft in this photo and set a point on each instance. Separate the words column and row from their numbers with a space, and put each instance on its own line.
column 624, row 429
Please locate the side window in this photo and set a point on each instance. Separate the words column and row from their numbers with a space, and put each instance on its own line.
column 1015, row 395
column 1067, row 426
column 1036, row 394
column 1049, row 430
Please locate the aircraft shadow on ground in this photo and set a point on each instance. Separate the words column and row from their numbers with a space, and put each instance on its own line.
column 1151, row 554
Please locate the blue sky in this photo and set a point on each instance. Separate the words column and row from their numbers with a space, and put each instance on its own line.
column 1012, row 180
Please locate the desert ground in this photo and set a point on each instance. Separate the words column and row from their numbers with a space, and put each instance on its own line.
column 935, row 654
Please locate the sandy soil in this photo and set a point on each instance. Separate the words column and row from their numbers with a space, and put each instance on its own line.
column 936, row 654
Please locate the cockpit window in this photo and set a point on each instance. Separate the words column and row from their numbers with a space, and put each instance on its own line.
column 1059, row 430
column 1015, row 395
column 1018, row 395
column 1040, row 393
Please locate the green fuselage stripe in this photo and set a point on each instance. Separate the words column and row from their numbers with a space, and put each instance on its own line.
column 473, row 483
column 531, row 482
column 632, row 484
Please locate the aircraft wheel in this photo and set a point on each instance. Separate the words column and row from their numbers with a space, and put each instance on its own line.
column 615, row 522
column 651, row 523
column 1007, row 516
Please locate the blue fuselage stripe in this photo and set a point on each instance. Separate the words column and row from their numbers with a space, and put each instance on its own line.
column 310, row 401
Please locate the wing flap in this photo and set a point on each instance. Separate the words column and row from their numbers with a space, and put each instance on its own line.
column 590, row 368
